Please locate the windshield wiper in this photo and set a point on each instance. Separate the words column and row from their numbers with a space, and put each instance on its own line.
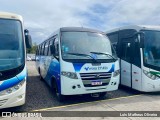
column 100, row 53
column 80, row 54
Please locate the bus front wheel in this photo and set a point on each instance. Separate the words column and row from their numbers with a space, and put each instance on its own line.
column 41, row 78
column 59, row 96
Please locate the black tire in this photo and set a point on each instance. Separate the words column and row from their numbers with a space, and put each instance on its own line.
column 40, row 76
column 59, row 96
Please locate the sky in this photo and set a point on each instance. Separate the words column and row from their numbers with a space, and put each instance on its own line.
column 43, row 17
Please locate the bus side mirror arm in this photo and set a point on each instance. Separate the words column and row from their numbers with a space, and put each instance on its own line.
column 28, row 39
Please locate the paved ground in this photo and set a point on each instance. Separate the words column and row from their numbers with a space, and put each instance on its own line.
column 40, row 96
column 143, row 102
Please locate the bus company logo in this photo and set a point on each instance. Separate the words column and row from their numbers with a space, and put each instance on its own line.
column 86, row 68
column 97, row 76
column 96, row 68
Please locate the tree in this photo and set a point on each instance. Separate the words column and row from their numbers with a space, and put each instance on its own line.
column 33, row 49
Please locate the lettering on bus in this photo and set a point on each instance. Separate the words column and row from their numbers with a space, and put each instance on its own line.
column 96, row 68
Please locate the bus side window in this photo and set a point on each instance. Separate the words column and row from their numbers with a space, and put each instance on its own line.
column 42, row 49
column 46, row 48
column 38, row 51
column 39, row 48
column 126, row 51
column 51, row 43
column 56, row 44
column 113, row 37
column 137, row 56
column 49, row 48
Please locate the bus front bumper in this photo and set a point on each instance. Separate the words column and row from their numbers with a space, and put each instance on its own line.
column 67, row 86
column 16, row 98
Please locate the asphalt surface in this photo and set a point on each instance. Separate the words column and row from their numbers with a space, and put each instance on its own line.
column 40, row 96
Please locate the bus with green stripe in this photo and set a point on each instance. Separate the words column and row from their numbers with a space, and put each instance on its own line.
column 138, row 50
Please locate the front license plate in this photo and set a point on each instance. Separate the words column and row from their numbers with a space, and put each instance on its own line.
column 96, row 83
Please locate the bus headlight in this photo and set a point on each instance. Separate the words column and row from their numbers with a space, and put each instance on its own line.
column 116, row 73
column 150, row 75
column 71, row 75
column 12, row 89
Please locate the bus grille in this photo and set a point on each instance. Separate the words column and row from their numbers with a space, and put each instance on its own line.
column 3, row 102
column 87, row 78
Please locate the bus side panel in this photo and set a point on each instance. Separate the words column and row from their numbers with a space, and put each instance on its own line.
column 17, row 97
column 125, row 73
column 41, row 65
column 54, row 72
column 46, row 64
column 136, row 78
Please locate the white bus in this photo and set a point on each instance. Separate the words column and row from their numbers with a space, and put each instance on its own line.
column 13, row 71
column 138, row 48
column 76, row 61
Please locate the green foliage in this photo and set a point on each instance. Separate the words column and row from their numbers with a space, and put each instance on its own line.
column 33, row 49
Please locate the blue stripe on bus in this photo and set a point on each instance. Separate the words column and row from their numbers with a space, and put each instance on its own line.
column 54, row 70
column 78, row 66
column 13, row 81
column 112, row 68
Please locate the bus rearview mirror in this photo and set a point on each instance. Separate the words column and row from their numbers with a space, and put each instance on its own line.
column 28, row 39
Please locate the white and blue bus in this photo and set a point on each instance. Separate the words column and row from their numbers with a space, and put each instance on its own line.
column 76, row 60
column 138, row 48
column 13, row 72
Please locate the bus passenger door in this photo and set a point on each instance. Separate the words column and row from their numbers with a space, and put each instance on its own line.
column 53, row 61
column 136, row 67
column 48, row 61
column 126, row 63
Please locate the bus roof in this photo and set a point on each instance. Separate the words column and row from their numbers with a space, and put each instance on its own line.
column 81, row 29
column 65, row 29
column 8, row 15
column 137, row 27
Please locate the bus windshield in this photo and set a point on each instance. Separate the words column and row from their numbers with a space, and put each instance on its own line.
column 85, row 45
column 11, row 44
column 152, row 48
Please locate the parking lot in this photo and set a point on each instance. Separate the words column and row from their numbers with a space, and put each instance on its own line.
column 40, row 96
